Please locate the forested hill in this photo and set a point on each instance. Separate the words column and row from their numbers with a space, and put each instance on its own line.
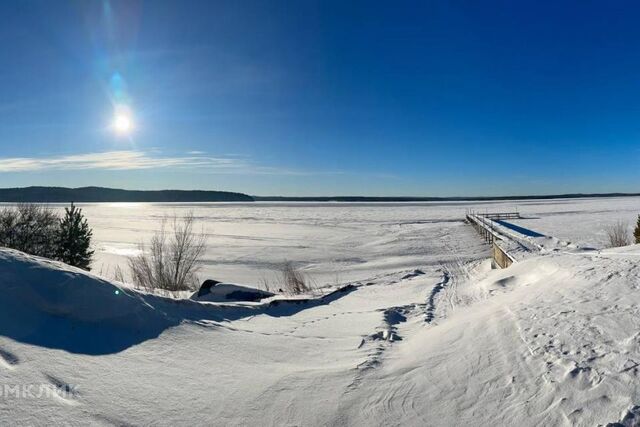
column 100, row 194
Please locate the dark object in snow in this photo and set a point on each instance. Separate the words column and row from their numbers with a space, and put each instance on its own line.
column 413, row 274
column 245, row 296
column 206, row 286
column 215, row 291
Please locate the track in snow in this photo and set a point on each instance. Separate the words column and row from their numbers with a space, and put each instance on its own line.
column 431, row 302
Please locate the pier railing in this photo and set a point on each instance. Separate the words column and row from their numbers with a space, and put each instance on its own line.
column 484, row 225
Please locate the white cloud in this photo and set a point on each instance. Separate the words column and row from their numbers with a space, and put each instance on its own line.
column 139, row 160
column 119, row 160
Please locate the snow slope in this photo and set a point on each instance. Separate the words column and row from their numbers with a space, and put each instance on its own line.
column 552, row 340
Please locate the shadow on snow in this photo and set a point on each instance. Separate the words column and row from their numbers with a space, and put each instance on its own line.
column 79, row 313
column 518, row 229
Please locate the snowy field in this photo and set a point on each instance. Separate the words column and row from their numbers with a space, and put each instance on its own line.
column 428, row 334
column 338, row 242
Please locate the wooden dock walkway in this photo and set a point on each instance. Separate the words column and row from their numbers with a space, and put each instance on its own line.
column 487, row 228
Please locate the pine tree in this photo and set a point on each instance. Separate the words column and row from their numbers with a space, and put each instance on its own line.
column 74, row 239
column 636, row 232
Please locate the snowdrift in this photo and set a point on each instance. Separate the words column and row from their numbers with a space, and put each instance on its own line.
column 552, row 340
column 53, row 305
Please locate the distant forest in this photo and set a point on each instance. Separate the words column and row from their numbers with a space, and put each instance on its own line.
column 434, row 199
column 101, row 194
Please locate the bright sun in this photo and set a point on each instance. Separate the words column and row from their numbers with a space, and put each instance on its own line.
column 122, row 123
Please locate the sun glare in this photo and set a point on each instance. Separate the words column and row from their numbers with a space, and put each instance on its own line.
column 122, row 124
column 122, row 120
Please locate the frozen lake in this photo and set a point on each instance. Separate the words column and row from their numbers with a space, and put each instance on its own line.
column 338, row 242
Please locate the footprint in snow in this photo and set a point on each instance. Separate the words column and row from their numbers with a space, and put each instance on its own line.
column 584, row 377
column 66, row 392
column 8, row 359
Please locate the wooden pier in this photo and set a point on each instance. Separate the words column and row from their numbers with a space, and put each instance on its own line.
column 500, row 215
column 483, row 223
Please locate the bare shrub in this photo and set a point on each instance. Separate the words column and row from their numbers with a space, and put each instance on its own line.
column 118, row 274
column 172, row 260
column 114, row 273
column 618, row 234
column 29, row 228
column 8, row 222
column 293, row 280
column 265, row 284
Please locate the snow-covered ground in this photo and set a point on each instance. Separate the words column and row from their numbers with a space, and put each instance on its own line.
column 580, row 221
column 428, row 335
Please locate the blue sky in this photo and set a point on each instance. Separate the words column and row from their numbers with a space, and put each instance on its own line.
column 322, row 98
